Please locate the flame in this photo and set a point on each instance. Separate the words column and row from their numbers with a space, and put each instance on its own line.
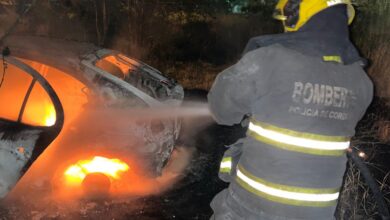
column 50, row 115
column 112, row 168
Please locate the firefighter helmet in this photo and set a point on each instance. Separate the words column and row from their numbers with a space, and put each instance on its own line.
column 295, row 13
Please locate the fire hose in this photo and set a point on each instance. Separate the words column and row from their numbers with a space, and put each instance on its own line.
column 378, row 196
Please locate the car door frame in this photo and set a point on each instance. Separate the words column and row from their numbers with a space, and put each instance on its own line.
column 45, row 135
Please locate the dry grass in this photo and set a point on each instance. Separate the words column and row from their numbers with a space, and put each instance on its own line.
column 356, row 200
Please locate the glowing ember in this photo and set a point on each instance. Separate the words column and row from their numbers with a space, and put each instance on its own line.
column 112, row 168
column 362, row 154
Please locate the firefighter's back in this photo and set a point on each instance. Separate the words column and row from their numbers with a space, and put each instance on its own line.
column 293, row 158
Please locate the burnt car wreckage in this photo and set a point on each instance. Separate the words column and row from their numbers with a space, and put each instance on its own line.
column 111, row 78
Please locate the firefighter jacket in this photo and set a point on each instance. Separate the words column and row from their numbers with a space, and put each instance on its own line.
column 304, row 104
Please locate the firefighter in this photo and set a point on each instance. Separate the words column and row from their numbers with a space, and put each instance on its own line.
column 303, row 93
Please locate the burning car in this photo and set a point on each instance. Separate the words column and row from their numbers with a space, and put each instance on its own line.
column 85, row 102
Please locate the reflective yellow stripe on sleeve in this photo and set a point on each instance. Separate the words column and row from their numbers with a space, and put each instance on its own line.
column 226, row 165
column 336, row 59
column 289, row 195
column 298, row 141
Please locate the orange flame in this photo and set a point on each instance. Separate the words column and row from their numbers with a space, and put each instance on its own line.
column 112, row 168
column 50, row 115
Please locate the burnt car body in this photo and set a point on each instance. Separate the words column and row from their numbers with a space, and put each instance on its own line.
column 110, row 80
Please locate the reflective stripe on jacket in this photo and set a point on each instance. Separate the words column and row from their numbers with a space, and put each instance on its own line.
column 298, row 141
column 290, row 140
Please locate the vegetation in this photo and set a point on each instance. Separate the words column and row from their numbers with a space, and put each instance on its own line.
column 357, row 201
column 169, row 34
column 372, row 35
column 173, row 35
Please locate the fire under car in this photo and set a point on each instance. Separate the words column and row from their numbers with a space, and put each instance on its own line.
column 75, row 112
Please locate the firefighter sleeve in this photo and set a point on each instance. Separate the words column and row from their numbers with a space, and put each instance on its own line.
column 229, row 162
column 238, row 87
